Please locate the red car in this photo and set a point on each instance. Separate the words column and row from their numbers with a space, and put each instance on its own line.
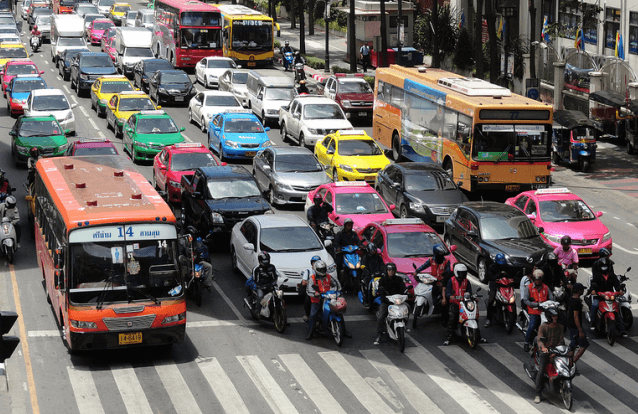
column 96, row 30
column 177, row 160
column 16, row 67
column 92, row 146
column 405, row 242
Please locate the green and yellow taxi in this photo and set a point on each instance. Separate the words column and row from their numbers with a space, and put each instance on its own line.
column 43, row 132
column 104, row 88
column 12, row 50
column 124, row 104
column 351, row 155
column 146, row 133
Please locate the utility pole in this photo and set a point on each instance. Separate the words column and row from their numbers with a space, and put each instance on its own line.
column 400, row 33
column 327, row 20
column 384, row 39
column 352, row 38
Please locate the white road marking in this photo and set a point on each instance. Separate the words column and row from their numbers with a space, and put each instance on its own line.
column 130, row 389
column 266, row 384
column 66, row 89
column 46, row 61
column 224, row 390
column 93, row 124
column 630, row 224
column 177, row 389
column 616, row 246
column 101, row 134
column 85, row 392
column 43, row 334
column 186, row 138
column 616, row 218
column 52, row 70
column 620, row 379
column 229, row 303
column 84, row 111
column 59, row 78
column 73, row 98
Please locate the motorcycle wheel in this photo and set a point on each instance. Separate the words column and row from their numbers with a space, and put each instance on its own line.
column 566, row 394
column 611, row 332
column 401, row 338
column 510, row 321
column 417, row 311
column 197, row 292
column 471, row 338
column 627, row 317
column 280, row 319
column 10, row 256
column 338, row 330
column 253, row 313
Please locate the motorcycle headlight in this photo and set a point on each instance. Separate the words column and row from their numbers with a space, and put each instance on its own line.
column 5, row 228
column 280, row 293
column 513, row 299
column 231, row 144
column 418, row 207
column 83, row 324
column 351, row 266
column 554, row 238
column 217, row 218
column 332, row 268
column 174, row 318
column 470, row 306
column 345, row 167
column 607, row 237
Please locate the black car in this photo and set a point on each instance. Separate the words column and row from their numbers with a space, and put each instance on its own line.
column 35, row 12
column 144, row 69
column 86, row 67
column 171, row 86
column 64, row 62
column 420, row 190
column 481, row 230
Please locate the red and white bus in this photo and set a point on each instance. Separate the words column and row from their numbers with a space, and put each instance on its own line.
column 186, row 31
column 107, row 246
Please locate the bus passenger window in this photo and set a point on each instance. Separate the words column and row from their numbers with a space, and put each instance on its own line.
column 397, row 97
column 380, row 91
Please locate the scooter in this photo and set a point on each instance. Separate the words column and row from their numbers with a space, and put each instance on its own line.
column 468, row 318
column 192, row 272
column 559, row 373
column 523, row 324
column 625, row 302
column 505, row 308
column 326, row 234
column 368, row 291
column 273, row 307
column 608, row 311
column 300, row 72
column 397, row 319
column 334, row 306
column 288, row 60
column 8, row 240
column 425, row 304
column 35, row 42
column 351, row 269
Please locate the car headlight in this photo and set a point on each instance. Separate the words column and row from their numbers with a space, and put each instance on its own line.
column 103, row 101
column 332, row 268
column 417, row 207
column 84, row 76
column 269, row 212
column 217, row 218
column 268, row 143
column 162, row 90
column 607, row 237
column 175, row 184
column 174, row 318
column 121, row 120
column 141, row 144
column 69, row 116
column 312, row 131
column 83, row 324
column 554, row 238
column 18, row 101
column 63, row 147
column 20, row 148
column 212, row 77
column 283, row 185
column 345, row 103
column 231, row 144
column 272, row 111
column 345, row 167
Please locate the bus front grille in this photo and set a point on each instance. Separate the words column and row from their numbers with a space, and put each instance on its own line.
column 133, row 323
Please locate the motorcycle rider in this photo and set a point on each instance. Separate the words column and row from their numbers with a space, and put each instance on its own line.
column 372, row 265
column 605, row 282
column 346, row 237
column 34, row 156
column 549, row 334
column 264, row 276
column 5, row 187
column 303, row 89
column 200, row 250
column 575, row 322
column 305, row 277
column 566, row 254
column 537, row 292
column 526, row 280
column 389, row 285
column 439, row 268
column 553, row 272
column 298, row 59
column 455, row 291
column 318, row 283
column 318, row 212
column 8, row 209
column 494, row 271
column 604, row 260
column 287, row 48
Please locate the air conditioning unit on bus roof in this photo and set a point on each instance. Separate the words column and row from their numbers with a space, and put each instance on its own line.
column 474, row 87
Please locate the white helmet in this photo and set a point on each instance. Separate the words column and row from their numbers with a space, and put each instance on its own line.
column 460, row 270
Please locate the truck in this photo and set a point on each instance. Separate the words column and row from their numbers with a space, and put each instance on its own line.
column 309, row 118
column 133, row 44
column 214, row 199
column 352, row 92
column 67, row 32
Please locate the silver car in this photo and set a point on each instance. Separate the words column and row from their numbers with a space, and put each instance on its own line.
column 235, row 81
column 145, row 18
column 44, row 26
column 287, row 174
column 129, row 21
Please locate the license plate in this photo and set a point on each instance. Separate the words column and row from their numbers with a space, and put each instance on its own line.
column 252, row 63
column 303, row 196
column 131, row 338
column 370, row 178
column 179, row 99
column 363, row 114
column 250, row 153
column 584, row 251
column 441, row 219
column 512, row 187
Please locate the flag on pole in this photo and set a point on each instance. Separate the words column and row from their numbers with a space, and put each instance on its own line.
column 545, row 34
column 579, row 40
column 499, row 32
column 621, row 48
column 617, row 44
column 462, row 22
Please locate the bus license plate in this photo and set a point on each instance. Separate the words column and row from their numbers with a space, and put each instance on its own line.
column 131, row 338
column 251, row 153
column 179, row 99
column 584, row 251
column 252, row 63
column 512, row 187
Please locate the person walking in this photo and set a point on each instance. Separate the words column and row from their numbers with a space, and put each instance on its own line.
column 364, row 53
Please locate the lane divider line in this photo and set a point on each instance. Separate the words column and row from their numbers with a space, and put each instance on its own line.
column 186, row 138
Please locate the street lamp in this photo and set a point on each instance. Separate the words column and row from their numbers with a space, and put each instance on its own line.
column 508, row 9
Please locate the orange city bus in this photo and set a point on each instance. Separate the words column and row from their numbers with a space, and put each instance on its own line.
column 63, row 6
column 107, row 246
column 486, row 137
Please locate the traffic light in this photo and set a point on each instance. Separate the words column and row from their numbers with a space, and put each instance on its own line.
column 8, row 344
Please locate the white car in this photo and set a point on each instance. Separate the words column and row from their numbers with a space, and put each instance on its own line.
column 235, row 81
column 289, row 240
column 130, row 18
column 205, row 105
column 103, row 6
column 24, row 9
column 44, row 102
column 209, row 69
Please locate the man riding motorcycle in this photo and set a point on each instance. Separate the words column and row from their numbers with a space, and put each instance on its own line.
column 605, row 282
column 305, row 278
column 493, row 272
column 287, row 48
column 199, row 251
column 5, row 187
column 318, row 212
column 8, row 209
column 566, row 254
column 537, row 292
column 455, row 291
column 389, row 285
column 550, row 334
column 439, row 268
column 346, row 237
column 264, row 276
column 303, row 88
column 553, row 272
column 320, row 282
column 603, row 261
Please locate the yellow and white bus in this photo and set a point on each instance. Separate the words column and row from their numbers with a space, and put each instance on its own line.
column 486, row 137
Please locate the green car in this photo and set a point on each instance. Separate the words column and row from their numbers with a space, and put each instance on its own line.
column 147, row 132
column 43, row 132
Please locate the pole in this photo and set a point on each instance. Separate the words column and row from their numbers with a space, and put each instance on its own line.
column 352, row 38
column 399, row 30
column 327, row 20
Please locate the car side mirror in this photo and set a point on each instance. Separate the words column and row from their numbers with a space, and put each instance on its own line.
column 328, row 243
column 599, row 214
column 396, row 185
column 182, row 129
column 12, row 133
column 392, row 207
column 248, row 246
column 453, row 248
column 266, row 168
column 266, row 129
column 330, row 151
column 67, row 132
column 196, row 194
column 472, row 233
column 531, row 216
column 74, row 105
column 159, row 106
column 41, row 72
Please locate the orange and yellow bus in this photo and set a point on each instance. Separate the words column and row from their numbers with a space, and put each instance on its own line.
column 486, row 137
column 107, row 246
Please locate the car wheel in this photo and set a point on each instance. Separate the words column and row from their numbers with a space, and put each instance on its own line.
column 335, row 174
column 449, row 169
column 220, row 151
column 202, row 125
column 118, row 131
column 233, row 259
column 190, row 116
column 133, row 154
column 302, row 140
column 403, row 212
column 284, row 133
column 481, row 270
column 271, row 196
column 155, row 182
column 93, row 105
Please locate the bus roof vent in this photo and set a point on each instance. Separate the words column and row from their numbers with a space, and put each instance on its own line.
column 80, row 185
column 136, row 196
column 474, row 87
column 119, row 173
column 68, row 166
column 91, row 203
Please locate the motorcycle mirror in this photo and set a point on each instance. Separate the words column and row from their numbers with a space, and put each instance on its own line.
column 192, row 229
column 628, row 269
column 478, row 290
column 414, row 266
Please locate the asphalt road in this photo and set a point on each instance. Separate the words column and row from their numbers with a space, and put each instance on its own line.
column 229, row 363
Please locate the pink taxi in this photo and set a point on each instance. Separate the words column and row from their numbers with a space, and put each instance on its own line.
column 559, row 212
column 109, row 48
column 96, row 29
column 15, row 67
column 352, row 199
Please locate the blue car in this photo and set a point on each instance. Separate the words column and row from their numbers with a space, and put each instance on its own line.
column 18, row 91
column 237, row 135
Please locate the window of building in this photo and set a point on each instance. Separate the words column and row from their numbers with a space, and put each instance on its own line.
column 569, row 22
column 612, row 26
column 633, row 33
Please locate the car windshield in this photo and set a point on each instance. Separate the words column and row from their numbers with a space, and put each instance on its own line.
column 154, row 66
column 356, row 147
column 156, row 126
column 297, row 163
column 100, row 61
column 413, row 244
column 289, row 239
column 9, row 30
column 219, row 189
column 429, row 181
column 322, row 111
column 148, row 18
column 220, row 64
column 192, row 160
column 106, row 3
column 88, row 18
column 95, row 151
column 354, row 87
column 13, row 52
column 28, row 85
column 240, row 78
column 515, row 227
column 33, row 128
column 50, row 103
column 130, row 15
column 243, row 125
column 279, row 94
column 121, row 9
column 565, row 210
column 221, row 100
column 359, row 203
column 175, row 78
column 116, row 87
column 45, row 20
column 21, row 70
column 71, row 41
column 138, row 52
column 136, row 104
column 102, row 25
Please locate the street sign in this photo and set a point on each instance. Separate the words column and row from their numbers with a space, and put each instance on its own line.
column 532, row 93
column 8, row 343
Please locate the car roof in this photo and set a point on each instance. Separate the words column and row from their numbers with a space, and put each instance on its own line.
column 491, row 209
column 283, row 149
column 187, row 147
column 556, row 194
column 307, row 99
column 419, row 166
column 38, row 118
column 411, row 225
column 162, row 71
column 132, row 94
column 113, row 78
column 233, row 115
column 93, row 143
column 12, row 44
column 217, row 93
column 102, row 20
column 226, row 171
column 279, row 220
column 89, row 53
column 350, row 187
column 157, row 113
column 218, row 58
column 20, row 61
column 353, row 134
column 47, row 92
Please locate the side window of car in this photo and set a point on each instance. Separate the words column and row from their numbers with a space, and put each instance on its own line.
column 473, row 223
column 326, row 141
column 200, row 186
column 463, row 219
column 113, row 101
column 520, row 203
column 217, row 121
column 380, row 89
column 378, row 240
column 96, row 85
column 269, row 158
column 200, row 98
column 131, row 122
column 367, row 233
column 332, row 146
column 249, row 231
column 398, row 177
column 328, row 198
column 531, row 207
column 164, row 157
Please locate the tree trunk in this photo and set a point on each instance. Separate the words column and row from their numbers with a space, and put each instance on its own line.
column 311, row 18
column 293, row 22
column 532, row 38
column 491, row 30
column 384, row 39
column 436, row 58
column 478, row 40
column 302, row 28
column 352, row 39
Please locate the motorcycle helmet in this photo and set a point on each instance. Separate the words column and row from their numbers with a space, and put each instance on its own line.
column 579, row 287
column 317, row 198
column 552, row 259
column 11, row 202
column 371, row 249
column 604, row 253
column 35, row 27
column 565, row 241
column 34, row 152
column 320, row 268
column 549, row 313
column 538, row 274
column 439, row 253
column 302, row 82
column 390, row 267
column 297, row 53
column 264, row 258
column 460, row 271
column 287, row 43
column 500, row 259
column 314, row 260
column 348, row 221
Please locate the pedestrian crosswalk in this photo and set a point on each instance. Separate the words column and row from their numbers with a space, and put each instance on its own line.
column 436, row 380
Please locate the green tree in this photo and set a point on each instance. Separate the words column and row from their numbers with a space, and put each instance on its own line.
column 445, row 33
column 463, row 53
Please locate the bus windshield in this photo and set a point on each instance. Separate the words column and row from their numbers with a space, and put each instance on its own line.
column 200, row 38
column 252, row 34
column 200, row 19
column 510, row 143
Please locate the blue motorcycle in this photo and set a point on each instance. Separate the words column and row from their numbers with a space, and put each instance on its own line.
column 574, row 139
column 288, row 60
column 334, row 306
column 351, row 267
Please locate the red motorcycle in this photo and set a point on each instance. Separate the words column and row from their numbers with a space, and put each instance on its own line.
column 608, row 311
column 505, row 308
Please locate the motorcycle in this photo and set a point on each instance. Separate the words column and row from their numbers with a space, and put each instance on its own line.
column 425, row 304
column 368, row 290
column 351, row 270
column 326, row 234
column 608, row 311
column 192, row 272
column 300, row 72
column 397, row 319
column 625, row 302
column 8, row 240
column 287, row 60
column 468, row 318
column 523, row 324
column 505, row 308
column 35, row 42
column 334, row 306
column 559, row 372
column 273, row 307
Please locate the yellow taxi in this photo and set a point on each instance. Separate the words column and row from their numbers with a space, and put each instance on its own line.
column 11, row 50
column 104, row 88
column 122, row 105
column 118, row 11
column 351, row 155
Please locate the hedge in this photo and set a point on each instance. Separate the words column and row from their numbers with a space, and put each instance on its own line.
column 315, row 62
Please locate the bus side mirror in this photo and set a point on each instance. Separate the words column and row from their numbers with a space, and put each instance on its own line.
column 59, row 280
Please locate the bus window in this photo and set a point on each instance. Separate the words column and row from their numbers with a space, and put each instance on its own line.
column 380, row 91
column 397, row 97
column 464, row 134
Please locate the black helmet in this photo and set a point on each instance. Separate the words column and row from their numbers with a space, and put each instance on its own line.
column 460, row 271
column 287, row 43
column 439, row 253
column 297, row 53
column 549, row 313
column 34, row 152
column 551, row 258
column 264, row 258
column 317, row 198
column 390, row 266
column 604, row 253
column 371, row 248
column 565, row 241
column 348, row 221
column 320, row 268
column 11, row 201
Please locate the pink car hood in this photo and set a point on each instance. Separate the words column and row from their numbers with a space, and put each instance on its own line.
column 360, row 220
column 576, row 229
